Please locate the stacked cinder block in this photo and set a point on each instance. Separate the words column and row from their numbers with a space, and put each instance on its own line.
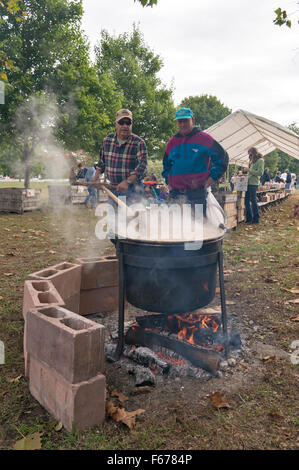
column 99, row 284
column 39, row 293
column 66, row 365
column 66, row 278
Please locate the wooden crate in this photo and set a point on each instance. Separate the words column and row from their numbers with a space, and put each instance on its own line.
column 19, row 200
column 231, row 222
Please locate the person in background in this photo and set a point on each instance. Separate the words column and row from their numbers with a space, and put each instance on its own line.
column 72, row 176
column 265, row 178
column 92, row 192
column 278, row 178
column 255, row 171
column 81, row 171
column 288, row 179
column 232, row 182
column 193, row 160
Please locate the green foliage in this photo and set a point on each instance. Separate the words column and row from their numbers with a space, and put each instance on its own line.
column 134, row 67
column 271, row 162
column 207, row 109
column 282, row 18
column 52, row 61
column 147, row 3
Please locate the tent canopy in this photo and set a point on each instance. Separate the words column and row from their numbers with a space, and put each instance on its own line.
column 241, row 130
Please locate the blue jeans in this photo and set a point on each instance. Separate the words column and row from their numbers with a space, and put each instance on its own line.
column 251, row 207
column 92, row 196
column 287, row 186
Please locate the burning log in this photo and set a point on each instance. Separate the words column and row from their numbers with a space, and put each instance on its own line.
column 205, row 359
column 147, row 357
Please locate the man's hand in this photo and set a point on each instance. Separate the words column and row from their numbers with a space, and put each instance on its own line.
column 209, row 182
column 122, row 187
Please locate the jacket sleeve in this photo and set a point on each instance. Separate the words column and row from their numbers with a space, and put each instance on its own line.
column 219, row 160
column 101, row 162
column 140, row 170
column 166, row 167
column 257, row 169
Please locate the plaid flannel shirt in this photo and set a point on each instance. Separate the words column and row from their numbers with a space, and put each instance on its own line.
column 120, row 161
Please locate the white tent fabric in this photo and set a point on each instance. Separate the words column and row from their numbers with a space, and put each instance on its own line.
column 241, row 130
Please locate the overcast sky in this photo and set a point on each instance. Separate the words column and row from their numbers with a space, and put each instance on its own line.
column 230, row 49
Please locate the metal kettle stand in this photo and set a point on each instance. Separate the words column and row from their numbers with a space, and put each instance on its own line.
column 121, row 301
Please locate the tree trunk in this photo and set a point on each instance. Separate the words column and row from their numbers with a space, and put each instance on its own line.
column 27, row 164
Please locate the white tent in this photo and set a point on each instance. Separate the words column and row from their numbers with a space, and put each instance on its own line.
column 241, row 130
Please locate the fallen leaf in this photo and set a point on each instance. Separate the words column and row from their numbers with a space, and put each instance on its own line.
column 269, row 358
column 8, row 274
column 275, row 415
column 30, row 442
column 295, row 301
column 230, row 302
column 58, row 427
column 52, row 252
column 120, row 414
column 121, row 397
column 295, row 318
column 219, row 400
column 16, row 379
column 1, row 297
column 293, row 290
column 269, row 280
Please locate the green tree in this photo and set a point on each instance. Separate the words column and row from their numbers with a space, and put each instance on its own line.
column 52, row 56
column 207, row 109
column 134, row 68
column 271, row 162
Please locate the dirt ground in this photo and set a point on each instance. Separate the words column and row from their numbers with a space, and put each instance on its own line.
column 257, row 405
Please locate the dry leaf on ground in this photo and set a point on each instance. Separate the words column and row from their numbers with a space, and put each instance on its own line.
column 121, row 397
column 120, row 414
column 293, row 290
column 30, row 442
column 295, row 301
column 269, row 358
column 295, row 318
column 16, row 379
column 219, row 400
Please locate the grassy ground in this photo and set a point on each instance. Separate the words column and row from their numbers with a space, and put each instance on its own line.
column 261, row 273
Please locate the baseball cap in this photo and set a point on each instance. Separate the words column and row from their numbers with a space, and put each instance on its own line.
column 183, row 113
column 123, row 113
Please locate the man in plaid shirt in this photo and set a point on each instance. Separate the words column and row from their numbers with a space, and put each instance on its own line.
column 123, row 158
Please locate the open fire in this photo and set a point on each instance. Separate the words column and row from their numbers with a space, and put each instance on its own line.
column 194, row 336
column 198, row 329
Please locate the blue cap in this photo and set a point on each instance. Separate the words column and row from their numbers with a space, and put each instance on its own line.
column 183, row 113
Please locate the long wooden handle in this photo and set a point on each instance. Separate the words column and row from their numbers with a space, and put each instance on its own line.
column 119, row 202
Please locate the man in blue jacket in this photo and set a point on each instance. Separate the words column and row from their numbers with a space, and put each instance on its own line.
column 193, row 160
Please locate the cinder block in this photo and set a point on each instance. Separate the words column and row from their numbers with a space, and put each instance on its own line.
column 71, row 345
column 40, row 293
column 98, row 272
column 98, row 300
column 66, row 278
column 37, row 294
column 77, row 406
